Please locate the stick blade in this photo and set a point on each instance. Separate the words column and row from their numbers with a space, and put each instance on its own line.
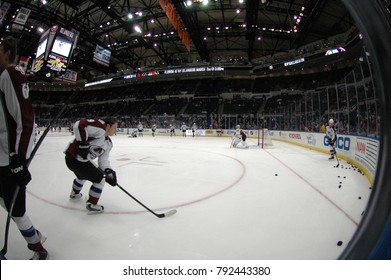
column 170, row 213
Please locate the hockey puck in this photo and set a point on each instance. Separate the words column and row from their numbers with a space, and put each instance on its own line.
column 339, row 186
column 276, row 174
column 359, row 197
column 339, row 243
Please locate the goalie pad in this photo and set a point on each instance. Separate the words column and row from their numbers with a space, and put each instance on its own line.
column 235, row 142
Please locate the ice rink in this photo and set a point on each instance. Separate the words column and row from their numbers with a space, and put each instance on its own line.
column 286, row 202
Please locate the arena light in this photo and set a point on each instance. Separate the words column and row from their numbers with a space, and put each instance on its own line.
column 137, row 29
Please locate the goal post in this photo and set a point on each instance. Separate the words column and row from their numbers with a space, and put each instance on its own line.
column 264, row 138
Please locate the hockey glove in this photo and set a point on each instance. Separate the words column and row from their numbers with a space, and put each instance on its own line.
column 18, row 167
column 111, row 177
column 83, row 149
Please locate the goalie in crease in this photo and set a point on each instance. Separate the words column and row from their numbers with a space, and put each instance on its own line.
column 91, row 141
column 239, row 137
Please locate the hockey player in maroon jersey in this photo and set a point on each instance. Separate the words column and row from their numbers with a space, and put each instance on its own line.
column 17, row 134
column 91, row 141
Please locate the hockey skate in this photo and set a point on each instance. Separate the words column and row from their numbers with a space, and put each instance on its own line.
column 94, row 208
column 331, row 158
column 40, row 253
column 74, row 195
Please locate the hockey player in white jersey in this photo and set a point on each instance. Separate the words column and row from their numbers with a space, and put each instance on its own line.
column 153, row 130
column 194, row 128
column 172, row 130
column 91, row 141
column 331, row 136
column 140, row 129
column 184, row 128
column 239, row 137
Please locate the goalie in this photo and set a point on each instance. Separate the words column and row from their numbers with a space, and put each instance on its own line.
column 239, row 137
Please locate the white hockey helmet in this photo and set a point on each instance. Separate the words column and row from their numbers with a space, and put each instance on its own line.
column 238, row 126
column 331, row 121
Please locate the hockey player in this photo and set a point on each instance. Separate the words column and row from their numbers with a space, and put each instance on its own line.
column 140, row 129
column 153, row 130
column 172, row 130
column 331, row 136
column 219, row 131
column 91, row 141
column 194, row 128
column 134, row 133
column 239, row 137
column 184, row 128
column 16, row 137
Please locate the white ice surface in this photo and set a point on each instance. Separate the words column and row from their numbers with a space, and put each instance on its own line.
column 280, row 203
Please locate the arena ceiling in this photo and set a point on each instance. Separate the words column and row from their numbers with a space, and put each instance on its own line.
column 139, row 33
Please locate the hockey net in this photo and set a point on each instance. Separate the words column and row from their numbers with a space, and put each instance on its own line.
column 264, row 138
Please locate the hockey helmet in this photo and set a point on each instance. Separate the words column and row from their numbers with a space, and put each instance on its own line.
column 238, row 126
column 331, row 122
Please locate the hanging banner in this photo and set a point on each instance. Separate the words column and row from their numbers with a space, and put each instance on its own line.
column 21, row 19
column 69, row 77
column 4, row 8
column 176, row 22
column 23, row 62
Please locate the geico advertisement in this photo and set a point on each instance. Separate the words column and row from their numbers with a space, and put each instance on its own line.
column 361, row 150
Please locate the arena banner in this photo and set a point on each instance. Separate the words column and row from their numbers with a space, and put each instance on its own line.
column 21, row 19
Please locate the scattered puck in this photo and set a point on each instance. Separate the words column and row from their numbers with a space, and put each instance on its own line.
column 339, row 186
column 344, row 177
column 339, row 243
column 276, row 174
column 359, row 197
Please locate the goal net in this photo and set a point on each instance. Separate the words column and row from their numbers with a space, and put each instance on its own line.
column 264, row 138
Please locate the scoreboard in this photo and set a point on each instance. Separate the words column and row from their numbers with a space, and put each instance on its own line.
column 54, row 51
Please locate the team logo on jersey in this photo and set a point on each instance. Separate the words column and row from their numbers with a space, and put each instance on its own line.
column 96, row 151
column 25, row 90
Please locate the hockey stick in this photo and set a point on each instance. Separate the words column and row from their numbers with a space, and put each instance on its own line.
column 336, row 157
column 161, row 215
column 33, row 152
